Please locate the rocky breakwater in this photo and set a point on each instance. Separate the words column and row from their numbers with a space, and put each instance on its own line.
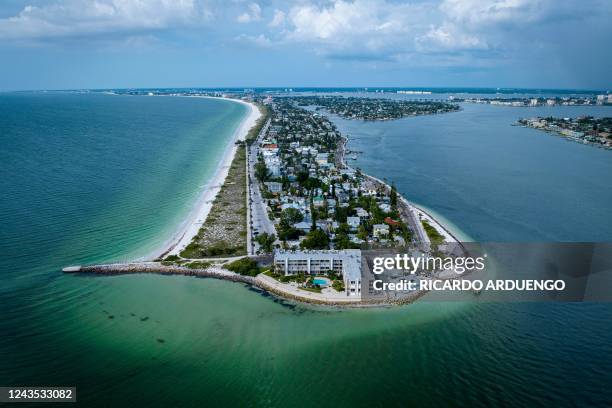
column 157, row 267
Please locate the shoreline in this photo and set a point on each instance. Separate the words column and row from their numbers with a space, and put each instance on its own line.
column 450, row 234
column 189, row 227
column 198, row 214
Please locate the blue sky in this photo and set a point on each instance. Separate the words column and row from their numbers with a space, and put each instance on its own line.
column 62, row 44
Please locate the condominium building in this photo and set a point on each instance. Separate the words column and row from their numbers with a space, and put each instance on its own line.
column 345, row 262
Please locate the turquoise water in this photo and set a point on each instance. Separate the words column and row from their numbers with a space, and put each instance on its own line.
column 320, row 282
column 95, row 177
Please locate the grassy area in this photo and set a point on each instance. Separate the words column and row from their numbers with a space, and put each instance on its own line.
column 224, row 231
column 312, row 289
column 338, row 285
column 265, row 113
column 434, row 236
column 244, row 266
column 198, row 265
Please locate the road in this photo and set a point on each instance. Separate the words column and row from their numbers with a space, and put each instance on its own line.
column 258, row 209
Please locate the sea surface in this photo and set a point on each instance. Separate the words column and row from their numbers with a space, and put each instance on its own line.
column 89, row 178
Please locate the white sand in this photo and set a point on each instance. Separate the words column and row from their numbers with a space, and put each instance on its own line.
column 449, row 231
column 192, row 224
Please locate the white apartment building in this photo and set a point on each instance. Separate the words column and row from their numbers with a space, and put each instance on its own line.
column 346, row 262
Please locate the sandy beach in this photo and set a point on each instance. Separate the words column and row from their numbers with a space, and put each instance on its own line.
column 197, row 216
column 450, row 232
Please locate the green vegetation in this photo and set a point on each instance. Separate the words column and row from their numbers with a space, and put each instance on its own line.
column 338, row 285
column 224, row 231
column 432, row 233
column 375, row 108
column 261, row 171
column 393, row 197
column 266, row 241
column 291, row 216
column 342, row 240
column 314, row 289
column 254, row 131
column 244, row 266
column 316, row 239
column 198, row 265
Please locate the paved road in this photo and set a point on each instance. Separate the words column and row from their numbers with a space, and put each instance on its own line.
column 258, row 208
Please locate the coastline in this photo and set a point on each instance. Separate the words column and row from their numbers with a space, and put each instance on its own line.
column 198, row 214
column 443, row 225
column 196, row 217
column 451, row 234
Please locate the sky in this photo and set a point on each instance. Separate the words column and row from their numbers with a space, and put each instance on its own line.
column 74, row 44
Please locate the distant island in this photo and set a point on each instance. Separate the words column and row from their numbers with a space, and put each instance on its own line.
column 583, row 129
column 375, row 108
column 584, row 100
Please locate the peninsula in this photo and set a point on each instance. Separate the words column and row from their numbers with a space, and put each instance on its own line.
column 583, row 129
column 284, row 212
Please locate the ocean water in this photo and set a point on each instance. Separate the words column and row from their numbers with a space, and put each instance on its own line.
column 93, row 177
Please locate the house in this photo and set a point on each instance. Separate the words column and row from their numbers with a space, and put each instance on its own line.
column 353, row 222
column 303, row 226
column 361, row 213
column 390, row 221
column 322, row 158
column 342, row 196
column 274, row 187
column 274, row 165
column 318, row 202
column 380, row 230
column 384, row 207
column 270, row 147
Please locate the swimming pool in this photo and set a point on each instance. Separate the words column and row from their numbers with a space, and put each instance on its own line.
column 320, row 281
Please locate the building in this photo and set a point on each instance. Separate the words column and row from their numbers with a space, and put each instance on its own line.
column 380, row 230
column 353, row 222
column 361, row 213
column 322, row 158
column 318, row 201
column 274, row 187
column 346, row 262
column 273, row 164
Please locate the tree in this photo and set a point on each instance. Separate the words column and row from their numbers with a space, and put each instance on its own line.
column 313, row 215
column 266, row 241
column 244, row 266
column 316, row 239
column 393, row 196
column 291, row 216
column 341, row 214
column 311, row 183
column 362, row 233
column 261, row 171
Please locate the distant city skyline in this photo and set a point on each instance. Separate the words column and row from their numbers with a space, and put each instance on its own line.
column 68, row 44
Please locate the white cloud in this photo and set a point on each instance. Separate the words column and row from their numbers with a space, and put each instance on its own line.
column 278, row 19
column 448, row 37
column 349, row 28
column 66, row 18
column 254, row 40
column 494, row 11
column 252, row 14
